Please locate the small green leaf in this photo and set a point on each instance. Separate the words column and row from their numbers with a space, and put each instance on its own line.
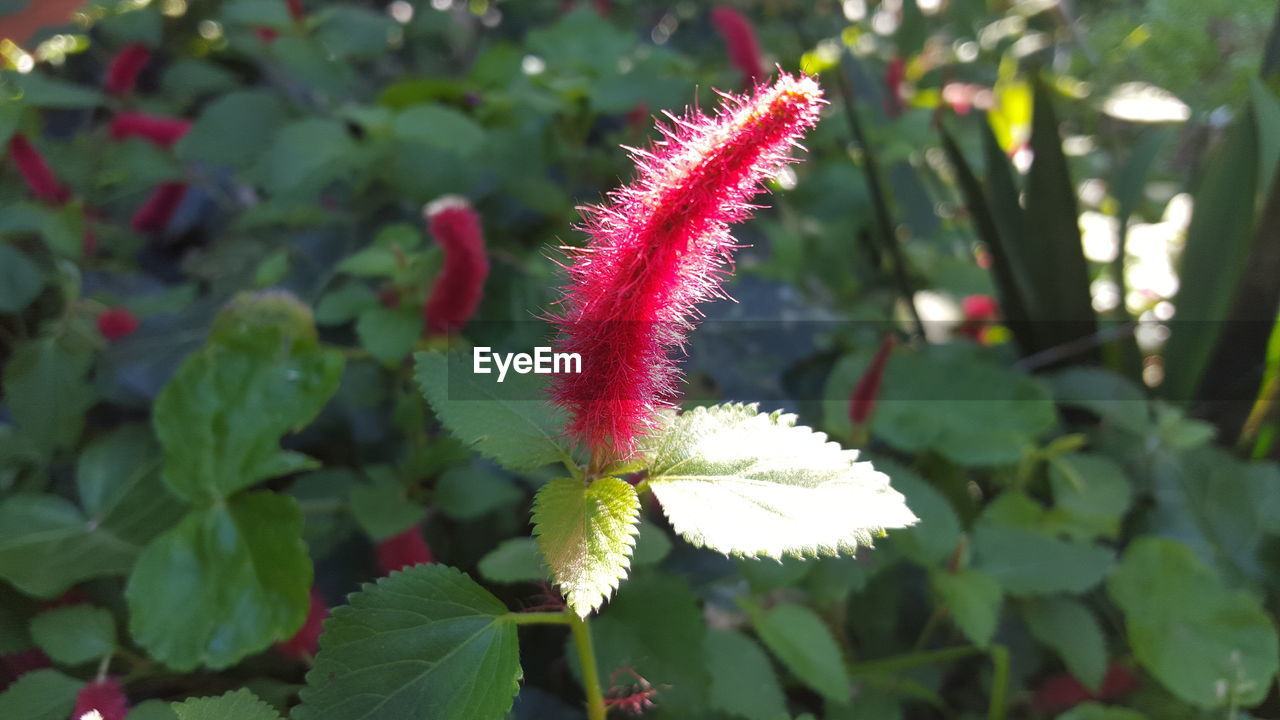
column 383, row 510
column 1094, row 711
column 745, row 483
column 473, row 491
column 1208, row 645
column 305, row 155
column 1071, row 631
column 803, row 644
column 389, row 334
column 743, row 681
column 652, row 545
column 152, row 710
column 1090, row 495
column 272, row 268
column 227, row 581
column 42, row 91
column 1026, row 562
column 345, row 304
column 510, row 422
column 427, row 643
column 371, row 262
column 237, row 705
column 47, row 392
column 587, row 535
column 515, row 560
column 40, row 695
column 21, row 280
column 440, row 127
column 935, row 537
column 973, row 599
column 76, row 634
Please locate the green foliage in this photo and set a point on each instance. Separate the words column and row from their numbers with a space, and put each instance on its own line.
column 426, row 643
column 973, row 599
column 805, row 646
column 776, row 489
column 76, row 634
column 1067, row 626
column 743, row 682
column 47, row 393
column 40, row 695
column 586, row 534
column 239, row 704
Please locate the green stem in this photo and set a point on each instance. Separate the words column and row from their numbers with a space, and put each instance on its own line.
column 999, row 681
column 541, row 618
column 590, row 672
column 911, row 660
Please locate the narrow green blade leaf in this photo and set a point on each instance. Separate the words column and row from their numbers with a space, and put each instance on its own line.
column 237, row 705
column 1071, row 631
column 797, row 636
column 76, row 634
column 427, row 643
column 509, row 422
column 745, row 483
column 587, row 535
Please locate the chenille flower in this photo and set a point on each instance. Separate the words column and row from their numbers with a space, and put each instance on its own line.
column 740, row 37
column 122, row 73
column 163, row 131
column 659, row 247
column 36, row 172
column 306, row 642
column 158, row 210
column 105, row 696
column 460, row 286
column 117, row 323
column 865, row 394
column 404, row 550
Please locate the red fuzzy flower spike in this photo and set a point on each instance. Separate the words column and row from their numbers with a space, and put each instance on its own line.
column 36, row 172
column 122, row 74
column 296, row 11
column 1059, row 693
column 657, row 248
column 158, row 210
column 867, row 391
column 117, row 323
column 104, row 696
column 980, row 311
column 163, row 131
column 460, row 286
column 404, row 550
column 894, row 74
column 744, row 49
column 306, row 642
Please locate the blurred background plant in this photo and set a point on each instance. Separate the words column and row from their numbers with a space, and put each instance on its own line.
column 1065, row 213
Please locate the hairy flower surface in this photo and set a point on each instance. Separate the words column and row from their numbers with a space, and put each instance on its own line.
column 460, row 286
column 117, row 323
column 36, row 172
column 740, row 37
column 157, row 211
column 660, row 246
column 163, row 131
column 105, row 697
column 122, row 74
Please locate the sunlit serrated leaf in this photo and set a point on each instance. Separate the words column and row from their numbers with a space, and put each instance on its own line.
column 741, row 482
column 586, row 535
column 240, row 705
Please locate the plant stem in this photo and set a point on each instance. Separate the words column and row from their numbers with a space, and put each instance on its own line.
column 912, row 660
column 542, row 618
column 999, row 681
column 590, row 672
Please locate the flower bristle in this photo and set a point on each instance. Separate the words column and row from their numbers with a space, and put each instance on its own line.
column 36, row 172
column 158, row 210
column 162, row 131
column 460, row 286
column 104, row 696
column 122, row 73
column 660, row 246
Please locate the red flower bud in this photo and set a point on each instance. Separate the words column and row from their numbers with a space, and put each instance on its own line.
column 157, row 211
column 163, row 131
column 460, row 285
column 105, row 696
column 980, row 311
column 266, row 34
column 404, row 550
column 867, row 391
column 122, row 74
column 296, row 11
column 740, row 37
column 894, row 73
column 1059, row 693
column 36, row 172
column 657, row 249
column 15, row 665
column 116, row 323
column 306, row 642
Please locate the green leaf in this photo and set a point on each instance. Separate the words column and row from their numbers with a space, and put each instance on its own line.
column 41, row 91
column 349, row 31
column 936, row 536
column 236, row 705
column 1026, row 562
column 389, row 334
column 228, row 581
column 805, row 646
column 1090, row 495
column 40, row 695
column 440, row 127
column 76, row 634
column 46, row 389
column 973, row 599
column 305, row 155
column 383, row 510
column 1210, row 646
column 471, row 492
column 745, row 483
column 47, row 545
column 220, row 418
column 152, row 710
column 427, row 643
column 371, row 262
column 1109, row 396
column 510, row 422
column 1070, row 630
column 1094, row 711
column 587, row 535
column 652, row 545
column 21, row 280
column 515, row 560
column 345, row 304
column 743, row 682
column 272, row 269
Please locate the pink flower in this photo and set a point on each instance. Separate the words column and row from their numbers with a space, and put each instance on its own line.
column 657, row 249
column 1061, row 692
column 296, row 11
column 157, row 211
column 404, row 550
column 117, row 323
column 980, row 311
column 740, row 37
column 460, row 286
column 163, row 131
column 894, row 73
column 867, row 391
column 36, row 172
column 122, row 74
column 306, row 642
column 104, row 695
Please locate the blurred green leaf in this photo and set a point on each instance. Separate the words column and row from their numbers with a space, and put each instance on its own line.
column 937, row 535
column 233, row 130
column 40, row 695
column 743, row 682
column 1090, row 495
column 805, row 646
column 42, row 91
column 349, row 31
column 586, row 534
column 382, row 510
column 515, row 560
column 1094, row 711
column 440, row 127
column 228, row 581
column 389, row 334
column 374, row 663
column 1070, row 630
column 345, row 303
column 652, row 545
column 471, row 492
column 973, row 599
column 1026, row 562
column 46, row 389
column 238, row 705
column 21, row 280
column 75, row 635
column 305, row 155
column 135, row 25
